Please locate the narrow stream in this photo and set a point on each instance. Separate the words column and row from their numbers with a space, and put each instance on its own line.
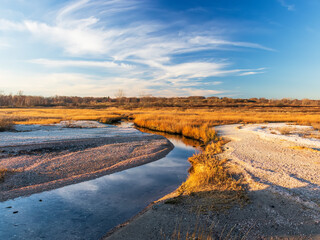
column 89, row 209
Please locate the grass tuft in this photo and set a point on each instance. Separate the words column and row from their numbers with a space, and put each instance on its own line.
column 3, row 172
column 305, row 148
column 210, row 180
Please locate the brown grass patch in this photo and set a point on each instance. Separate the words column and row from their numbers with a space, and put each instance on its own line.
column 6, row 124
column 305, row 148
column 284, row 130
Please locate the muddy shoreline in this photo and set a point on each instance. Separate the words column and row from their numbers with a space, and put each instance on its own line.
column 48, row 165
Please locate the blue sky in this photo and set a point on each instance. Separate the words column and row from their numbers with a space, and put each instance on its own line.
column 247, row 48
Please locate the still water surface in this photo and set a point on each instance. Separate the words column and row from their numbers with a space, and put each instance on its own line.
column 89, row 209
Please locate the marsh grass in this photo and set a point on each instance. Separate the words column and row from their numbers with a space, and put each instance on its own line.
column 210, row 181
column 56, row 115
column 161, row 116
column 183, row 125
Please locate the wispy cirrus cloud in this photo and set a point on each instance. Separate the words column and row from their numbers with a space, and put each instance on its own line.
column 145, row 49
column 252, row 72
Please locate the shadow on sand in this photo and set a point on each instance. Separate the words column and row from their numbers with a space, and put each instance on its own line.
column 269, row 214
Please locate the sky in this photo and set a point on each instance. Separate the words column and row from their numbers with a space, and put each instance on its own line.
column 224, row 48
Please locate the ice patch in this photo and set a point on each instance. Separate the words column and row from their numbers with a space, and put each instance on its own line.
column 271, row 131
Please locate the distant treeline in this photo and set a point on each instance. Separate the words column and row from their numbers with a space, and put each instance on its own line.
column 21, row 100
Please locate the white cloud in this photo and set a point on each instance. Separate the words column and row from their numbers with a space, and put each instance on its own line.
column 203, row 40
column 187, row 92
column 141, row 52
column 81, row 34
column 194, row 70
column 290, row 7
column 73, row 84
column 78, row 63
column 251, row 72
column 217, row 83
column 65, row 11
column 75, row 41
column 7, row 25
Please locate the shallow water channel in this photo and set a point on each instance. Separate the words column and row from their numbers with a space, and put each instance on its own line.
column 89, row 209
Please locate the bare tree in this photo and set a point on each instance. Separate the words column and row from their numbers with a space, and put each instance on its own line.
column 120, row 94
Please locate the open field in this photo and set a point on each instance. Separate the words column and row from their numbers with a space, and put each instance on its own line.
column 192, row 116
column 192, row 123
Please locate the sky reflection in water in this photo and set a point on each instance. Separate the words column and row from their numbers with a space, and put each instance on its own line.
column 89, row 209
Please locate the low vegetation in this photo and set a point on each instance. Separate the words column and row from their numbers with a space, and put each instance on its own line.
column 6, row 124
column 56, row 115
column 210, row 181
column 284, row 130
column 154, row 118
column 182, row 125
column 305, row 148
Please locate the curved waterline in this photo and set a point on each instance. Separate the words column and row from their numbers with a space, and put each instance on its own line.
column 89, row 209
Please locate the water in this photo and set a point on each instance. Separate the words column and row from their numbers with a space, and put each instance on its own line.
column 89, row 209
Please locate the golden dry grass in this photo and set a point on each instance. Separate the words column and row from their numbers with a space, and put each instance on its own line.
column 211, row 181
column 55, row 115
column 214, row 116
column 188, row 127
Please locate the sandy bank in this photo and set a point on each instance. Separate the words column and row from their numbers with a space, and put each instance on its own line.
column 283, row 188
column 42, row 166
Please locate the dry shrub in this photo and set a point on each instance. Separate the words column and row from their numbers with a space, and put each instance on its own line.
column 6, row 124
column 3, row 172
column 284, row 130
column 110, row 119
